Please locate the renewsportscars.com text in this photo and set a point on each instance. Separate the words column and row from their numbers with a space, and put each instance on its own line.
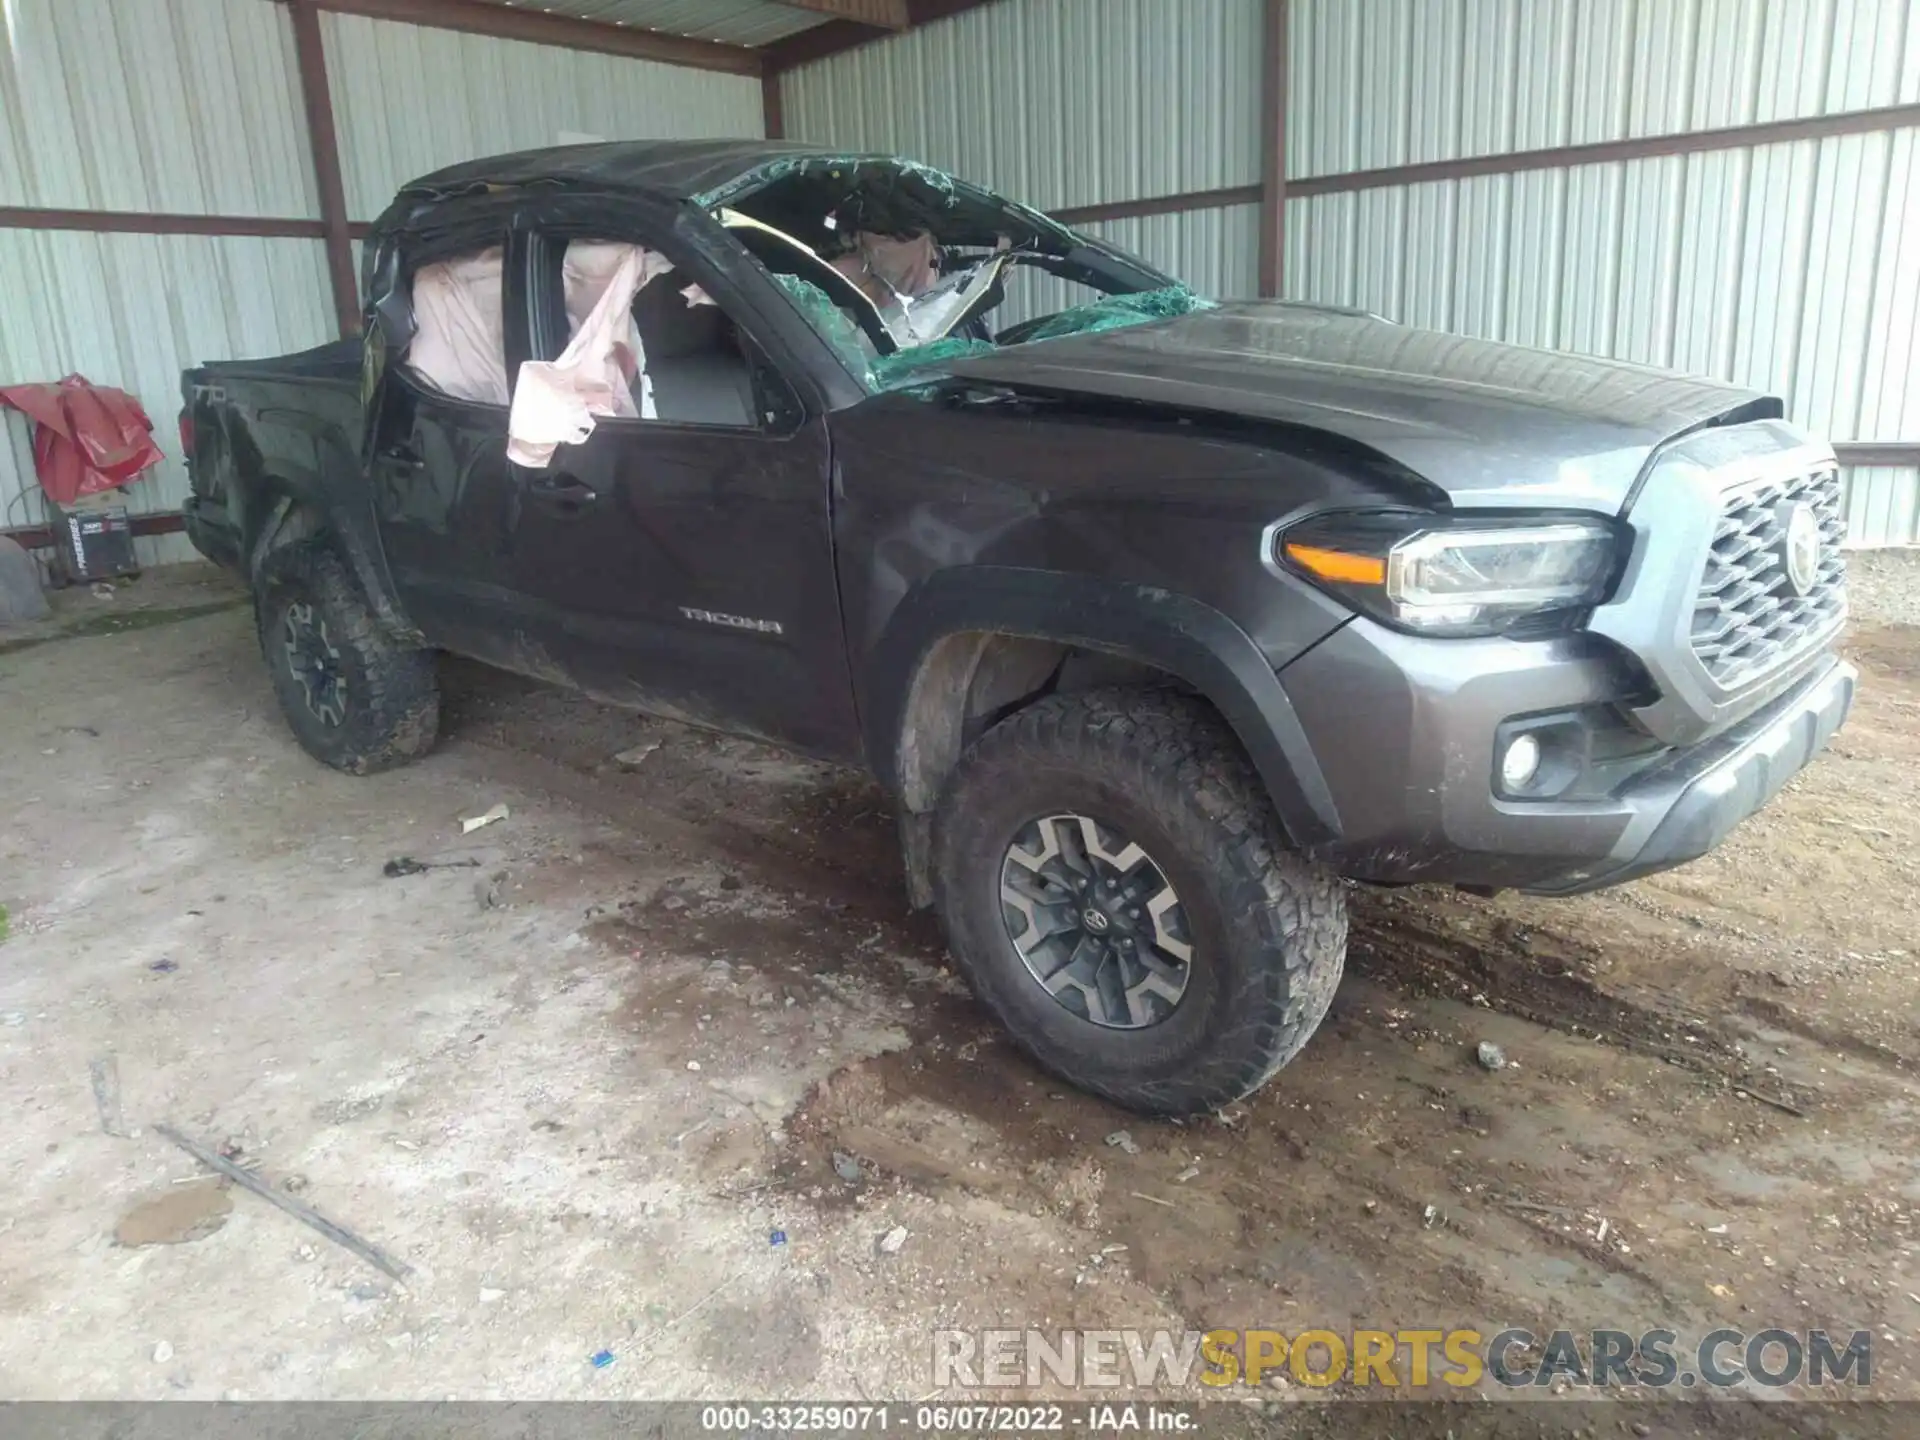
column 1399, row 1359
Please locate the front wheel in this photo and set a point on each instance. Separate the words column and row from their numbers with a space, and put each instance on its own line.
column 1117, row 891
column 353, row 698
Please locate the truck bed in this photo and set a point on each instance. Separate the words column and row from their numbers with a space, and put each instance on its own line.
column 262, row 428
column 337, row 360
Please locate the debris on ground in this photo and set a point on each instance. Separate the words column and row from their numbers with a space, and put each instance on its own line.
column 475, row 822
column 631, row 759
column 163, row 967
column 1784, row 1106
column 891, row 1242
column 339, row 1234
column 778, row 1237
column 729, row 882
column 406, row 865
column 1191, row 1172
column 178, row 1215
column 487, row 889
column 104, row 1070
column 846, row 1167
column 600, row 1359
column 162, row 1353
column 1490, row 1056
column 1121, row 1140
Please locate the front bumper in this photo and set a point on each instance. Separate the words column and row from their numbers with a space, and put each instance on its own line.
column 1404, row 729
column 1686, row 807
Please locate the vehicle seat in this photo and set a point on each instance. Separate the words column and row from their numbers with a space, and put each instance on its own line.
column 693, row 359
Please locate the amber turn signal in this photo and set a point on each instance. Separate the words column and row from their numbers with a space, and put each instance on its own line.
column 1337, row 565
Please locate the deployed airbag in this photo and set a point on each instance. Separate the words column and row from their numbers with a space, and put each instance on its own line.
column 458, row 345
column 555, row 402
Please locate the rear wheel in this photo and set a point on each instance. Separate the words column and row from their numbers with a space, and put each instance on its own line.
column 353, row 698
column 1117, row 891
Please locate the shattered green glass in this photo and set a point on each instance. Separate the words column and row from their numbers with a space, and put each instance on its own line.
column 876, row 372
column 834, row 324
column 891, row 372
column 1113, row 312
column 906, row 370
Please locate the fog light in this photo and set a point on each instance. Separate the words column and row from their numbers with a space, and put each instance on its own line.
column 1519, row 763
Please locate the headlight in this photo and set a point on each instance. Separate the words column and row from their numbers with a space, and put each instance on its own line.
column 1457, row 575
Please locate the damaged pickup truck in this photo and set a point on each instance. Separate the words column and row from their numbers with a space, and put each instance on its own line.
column 1164, row 620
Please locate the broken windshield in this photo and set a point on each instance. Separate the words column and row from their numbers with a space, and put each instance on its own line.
column 903, row 269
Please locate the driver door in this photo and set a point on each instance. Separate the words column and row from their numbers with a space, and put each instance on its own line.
column 683, row 563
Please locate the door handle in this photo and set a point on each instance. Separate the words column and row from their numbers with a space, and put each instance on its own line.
column 405, row 456
column 562, row 489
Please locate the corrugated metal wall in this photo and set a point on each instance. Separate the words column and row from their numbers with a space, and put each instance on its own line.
column 1793, row 268
column 1063, row 103
column 1391, row 82
column 194, row 107
column 186, row 106
column 133, row 311
column 409, row 100
column 172, row 105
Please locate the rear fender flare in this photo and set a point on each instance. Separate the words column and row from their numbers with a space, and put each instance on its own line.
column 312, row 473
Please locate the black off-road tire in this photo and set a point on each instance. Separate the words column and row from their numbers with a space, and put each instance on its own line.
column 389, row 709
column 1269, row 928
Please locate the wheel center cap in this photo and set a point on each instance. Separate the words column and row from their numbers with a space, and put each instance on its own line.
column 1095, row 922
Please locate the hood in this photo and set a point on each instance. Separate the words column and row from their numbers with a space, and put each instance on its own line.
column 1493, row 425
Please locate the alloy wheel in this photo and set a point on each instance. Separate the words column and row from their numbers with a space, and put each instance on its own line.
column 315, row 662
column 1096, row 922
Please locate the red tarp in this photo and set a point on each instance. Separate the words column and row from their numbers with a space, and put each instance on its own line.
column 86, row 438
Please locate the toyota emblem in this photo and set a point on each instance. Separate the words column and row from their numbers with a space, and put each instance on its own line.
column 1800, row 546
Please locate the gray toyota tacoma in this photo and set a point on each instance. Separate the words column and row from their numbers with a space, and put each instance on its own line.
column 1163, row 620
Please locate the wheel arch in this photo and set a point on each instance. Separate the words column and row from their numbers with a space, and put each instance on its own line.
column 970, row 643
column 287, row 511
column 301, row 476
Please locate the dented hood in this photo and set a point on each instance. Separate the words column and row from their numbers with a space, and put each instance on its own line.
column 1491, row 424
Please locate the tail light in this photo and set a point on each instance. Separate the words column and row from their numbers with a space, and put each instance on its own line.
column 186, row 434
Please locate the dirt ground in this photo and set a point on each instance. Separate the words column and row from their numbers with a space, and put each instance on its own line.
column 591, row 1085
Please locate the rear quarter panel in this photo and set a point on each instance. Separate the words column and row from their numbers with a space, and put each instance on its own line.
column 270, row 436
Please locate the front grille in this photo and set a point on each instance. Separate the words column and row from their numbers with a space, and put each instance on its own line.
column 1749, row 619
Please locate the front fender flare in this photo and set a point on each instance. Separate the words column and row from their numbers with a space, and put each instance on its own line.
column 1175, row 633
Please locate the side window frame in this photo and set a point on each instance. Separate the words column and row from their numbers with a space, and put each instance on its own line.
column 393, row 391
column 401, row 256
column 542, row 301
